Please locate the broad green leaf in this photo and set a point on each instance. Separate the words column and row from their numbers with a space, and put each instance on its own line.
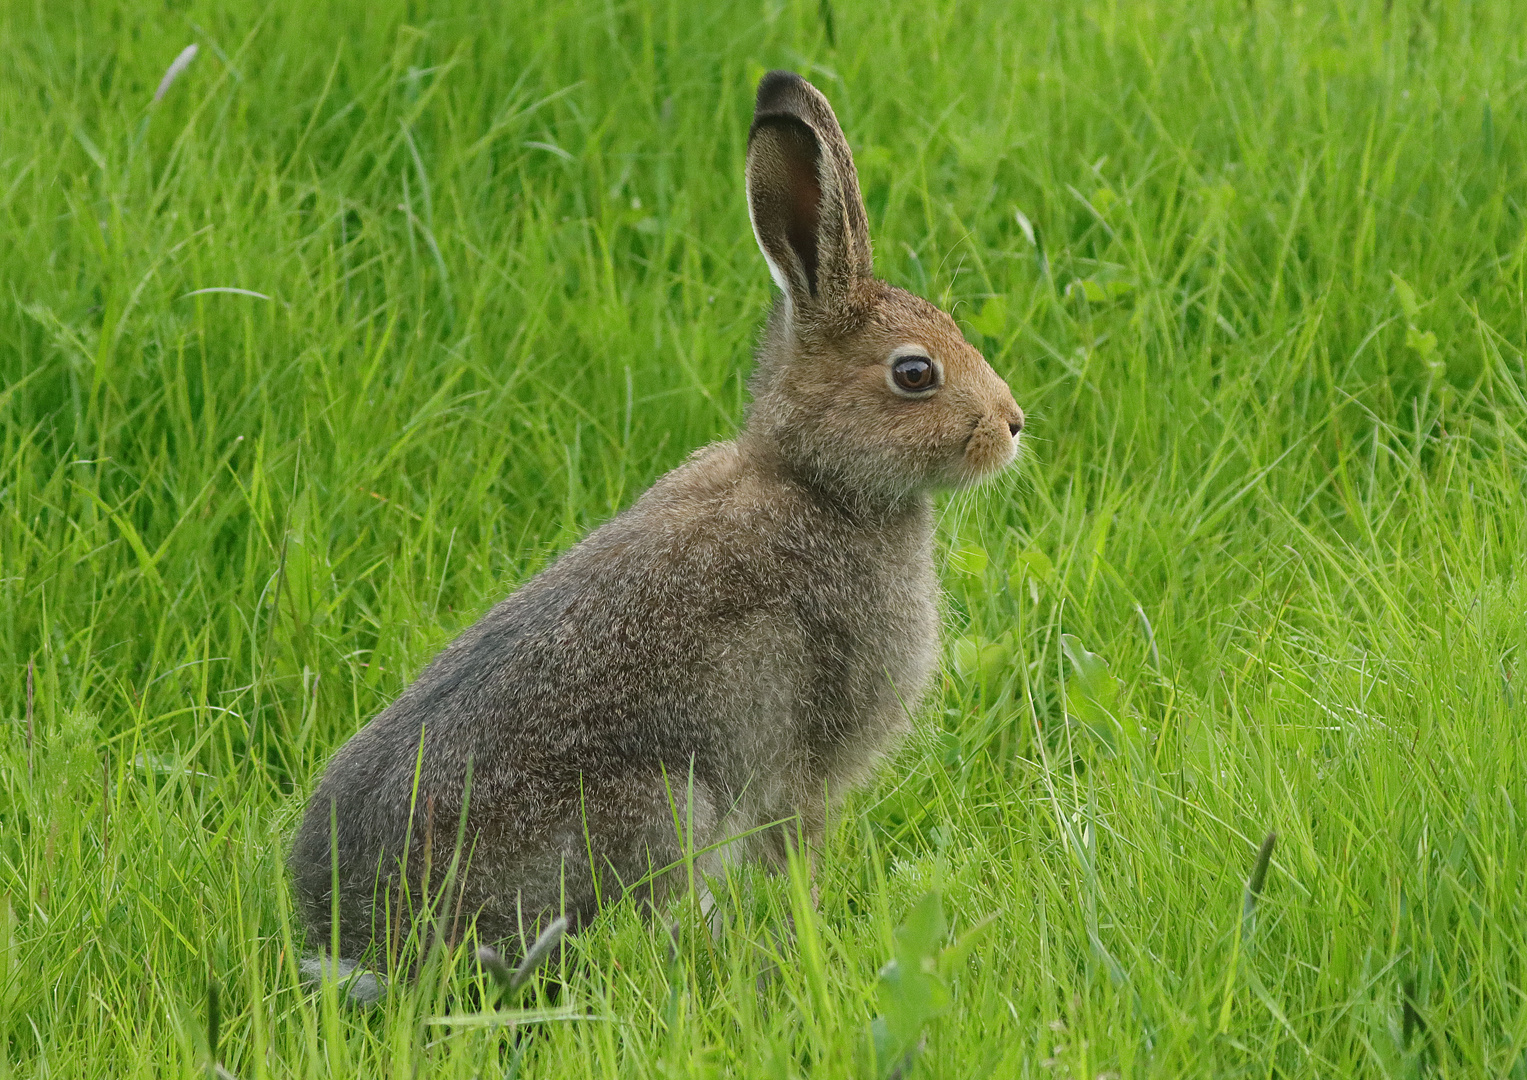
column 981, row 660
column 1424, row 343
column 1089, row 667
column 953, row 958
column 1407, row 297
column 1032, row 562
column 969, row 559
column 992, row 320
column 922, row 933
column 1092, row 693
column 1097, row 292
column 1092, row 291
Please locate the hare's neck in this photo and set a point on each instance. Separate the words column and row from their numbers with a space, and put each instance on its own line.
column 848, row 496
column 912, row 510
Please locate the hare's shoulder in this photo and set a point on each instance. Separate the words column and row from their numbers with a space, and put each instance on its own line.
column 720, row 503
column 724, row 512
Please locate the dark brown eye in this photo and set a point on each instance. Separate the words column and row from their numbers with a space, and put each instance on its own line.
column 914, row 373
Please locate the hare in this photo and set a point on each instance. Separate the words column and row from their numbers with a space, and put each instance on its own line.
column 715, row 667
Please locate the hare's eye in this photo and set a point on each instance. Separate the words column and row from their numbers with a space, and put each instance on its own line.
column 914, row 373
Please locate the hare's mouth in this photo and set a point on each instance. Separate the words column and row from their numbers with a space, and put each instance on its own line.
column 987, row 451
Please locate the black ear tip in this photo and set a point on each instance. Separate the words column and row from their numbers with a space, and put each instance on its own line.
column 776, row 89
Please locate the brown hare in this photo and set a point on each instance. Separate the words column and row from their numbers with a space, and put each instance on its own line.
column 737, row 649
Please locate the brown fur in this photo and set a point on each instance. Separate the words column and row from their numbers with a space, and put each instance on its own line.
column 738, row 648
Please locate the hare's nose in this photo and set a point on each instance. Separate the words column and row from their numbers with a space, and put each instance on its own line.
column 1015, row 422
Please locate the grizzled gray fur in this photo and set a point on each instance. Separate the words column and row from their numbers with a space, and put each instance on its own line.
column 738, row 648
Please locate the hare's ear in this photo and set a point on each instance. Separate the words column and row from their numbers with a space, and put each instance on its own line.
column 803, row 195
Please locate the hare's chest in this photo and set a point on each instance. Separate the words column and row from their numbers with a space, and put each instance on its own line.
column 870, row 649
column 902, row 652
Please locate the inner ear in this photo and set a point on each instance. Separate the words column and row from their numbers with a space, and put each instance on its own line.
column 801, row 190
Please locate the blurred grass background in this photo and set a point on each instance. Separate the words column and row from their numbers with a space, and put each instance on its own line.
column 1254, row 270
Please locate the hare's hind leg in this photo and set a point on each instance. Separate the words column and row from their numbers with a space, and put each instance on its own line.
column 605, row 838
column 647, row 835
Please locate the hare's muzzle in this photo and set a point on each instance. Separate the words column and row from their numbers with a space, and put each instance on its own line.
column 993, row 444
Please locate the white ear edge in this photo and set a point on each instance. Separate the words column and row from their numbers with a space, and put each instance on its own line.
column 775, row 271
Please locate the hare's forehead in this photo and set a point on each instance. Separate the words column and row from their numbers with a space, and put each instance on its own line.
column 911, row 321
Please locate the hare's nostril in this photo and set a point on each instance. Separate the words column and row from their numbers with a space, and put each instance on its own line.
column 1015, row 425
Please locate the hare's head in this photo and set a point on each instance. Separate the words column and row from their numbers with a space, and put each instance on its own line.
column 861, row 388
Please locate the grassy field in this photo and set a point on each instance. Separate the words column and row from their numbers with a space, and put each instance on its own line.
column 1256, row 272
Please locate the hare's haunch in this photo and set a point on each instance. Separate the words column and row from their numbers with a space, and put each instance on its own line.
column 737, row 649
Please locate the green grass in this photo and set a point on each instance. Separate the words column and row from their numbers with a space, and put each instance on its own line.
column 1275, row 479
